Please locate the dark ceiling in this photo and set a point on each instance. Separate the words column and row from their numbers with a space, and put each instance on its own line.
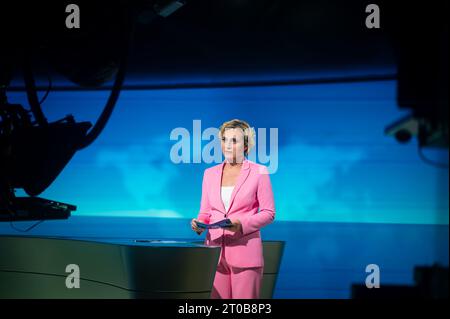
column 210, row 39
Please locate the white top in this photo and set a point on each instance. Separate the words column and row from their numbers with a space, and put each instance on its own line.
column 226, row 196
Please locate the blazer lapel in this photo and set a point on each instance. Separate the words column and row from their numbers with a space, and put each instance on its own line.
column 243, row 174
column 218, row 186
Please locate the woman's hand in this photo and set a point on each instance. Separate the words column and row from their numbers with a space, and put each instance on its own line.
column 194, row 226
column 236, row 226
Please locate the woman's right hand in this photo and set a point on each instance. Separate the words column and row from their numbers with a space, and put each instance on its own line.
column 194, row 226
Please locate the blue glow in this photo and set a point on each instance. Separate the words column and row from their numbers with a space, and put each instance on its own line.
column 335, row 163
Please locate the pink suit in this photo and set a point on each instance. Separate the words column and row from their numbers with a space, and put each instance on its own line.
column 240, row 267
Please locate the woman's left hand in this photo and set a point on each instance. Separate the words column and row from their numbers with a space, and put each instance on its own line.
column 236, row 226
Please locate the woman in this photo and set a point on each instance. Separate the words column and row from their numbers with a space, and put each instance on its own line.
column 236, row 189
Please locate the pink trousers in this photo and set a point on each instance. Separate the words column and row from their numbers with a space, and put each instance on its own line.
column 236, row 283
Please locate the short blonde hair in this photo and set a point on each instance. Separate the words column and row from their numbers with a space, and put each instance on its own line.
column 249, row 133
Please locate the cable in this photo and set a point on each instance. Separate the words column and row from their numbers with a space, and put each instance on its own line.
column 430, row 162
column 30, row 87
column 12, row 214
column 28, row 229
column 115, row 91
column 49, row 87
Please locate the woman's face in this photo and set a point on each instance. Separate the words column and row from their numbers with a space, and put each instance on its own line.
column 233, row 145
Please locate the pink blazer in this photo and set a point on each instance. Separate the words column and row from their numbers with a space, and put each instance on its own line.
column 252, row 192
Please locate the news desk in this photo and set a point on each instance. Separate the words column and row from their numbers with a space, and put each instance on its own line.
column 43, row 267
column 35, row 267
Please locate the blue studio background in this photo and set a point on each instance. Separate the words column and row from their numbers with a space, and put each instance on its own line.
column 346, row 195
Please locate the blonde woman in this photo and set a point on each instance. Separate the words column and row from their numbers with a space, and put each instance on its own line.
column 240, row 190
